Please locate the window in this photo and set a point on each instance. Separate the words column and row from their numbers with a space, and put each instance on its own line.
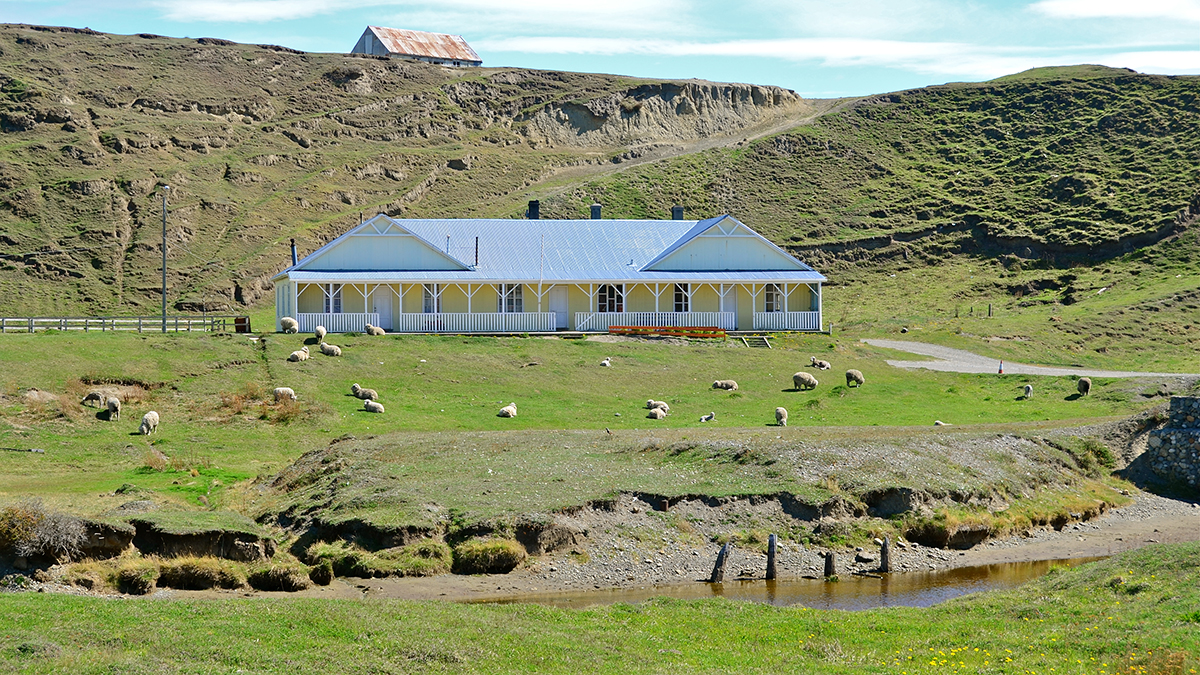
column 774, row 299
column 612, row 298
column 510, row 300
column 333, row 298
column 682, row 302
column 433, row 298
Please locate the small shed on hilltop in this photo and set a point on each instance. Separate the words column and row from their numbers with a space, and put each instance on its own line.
column 439, row 48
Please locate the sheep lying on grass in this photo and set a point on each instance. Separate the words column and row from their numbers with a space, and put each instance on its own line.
column 149, row 423
column 509, row 410
column 652, row 404
column 854, row 377
column 299, row 355
column 282, row 393
column 366, row 394
column 781, row 417
column 803, row 380
column 822, row 365
column 373, row 330
column 607, row 362
column 289, row 325
column 725, row 384
column 1084, row 386
column 373, row 406
column 320, row 332
column 939, row 423
column 1028, row 391
column 709, row 417
column 113, row 404
column 657, row 414
column 330, row 350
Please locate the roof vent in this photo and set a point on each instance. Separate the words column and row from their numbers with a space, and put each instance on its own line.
column 535, row 210
column 676, row 212
column 595, row 212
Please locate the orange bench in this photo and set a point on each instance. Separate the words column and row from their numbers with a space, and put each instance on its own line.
column 670, row 331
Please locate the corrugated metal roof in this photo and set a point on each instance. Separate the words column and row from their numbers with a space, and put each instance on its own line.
column 483, row 276
column 574, row 250
column 420, row 43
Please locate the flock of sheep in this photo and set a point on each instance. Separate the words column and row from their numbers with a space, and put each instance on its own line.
column 370, row 397
column 112, row 405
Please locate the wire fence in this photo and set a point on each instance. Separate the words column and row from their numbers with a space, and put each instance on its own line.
column 211, row 323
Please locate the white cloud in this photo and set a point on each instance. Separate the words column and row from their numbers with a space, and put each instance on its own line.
column 1161, row 62
column 1179, row 10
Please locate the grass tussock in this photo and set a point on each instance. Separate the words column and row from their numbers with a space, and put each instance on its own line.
column 200, row 573
column 280, row 576
column 488, row 556
column 420, row 559
column 137, row 577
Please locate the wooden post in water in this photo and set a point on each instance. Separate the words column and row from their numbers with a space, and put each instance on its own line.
column 885, row 555
column 718, row 573
column 830, row 564
column 771, row 544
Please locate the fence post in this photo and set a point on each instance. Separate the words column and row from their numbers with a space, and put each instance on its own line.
column 771, row 543
column 31, row 324
column 139, row 324
column 885, row 555
column 830, row 564
column 176, row 324
column 85, row 324
column 718, row 573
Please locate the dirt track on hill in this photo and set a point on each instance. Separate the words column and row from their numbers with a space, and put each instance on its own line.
column 961, row 361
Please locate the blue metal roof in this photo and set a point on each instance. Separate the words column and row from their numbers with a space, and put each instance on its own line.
column 553, row 250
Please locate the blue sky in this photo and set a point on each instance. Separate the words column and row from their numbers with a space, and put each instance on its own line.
column 820, row 48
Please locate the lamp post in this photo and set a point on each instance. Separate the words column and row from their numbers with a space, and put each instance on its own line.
column 166, row 189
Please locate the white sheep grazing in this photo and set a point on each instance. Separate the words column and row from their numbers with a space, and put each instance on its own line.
column 509, row 410
column 803, row 380
column 149, row 423
column 365, row 394
column 299, row 355
column 725, row 384
column 373, row 330
column 1028, row 391
column 113, row 404
column 289, row 325
column 607, row 362
column 320, row 332
column 373, row 406
column 822, row 365
column 94, row 397
column 854, row 376
column 282, row 393
column 709, row 417
column 781, row 417
column 330, row 350
column 651, row 404
column 657, row 414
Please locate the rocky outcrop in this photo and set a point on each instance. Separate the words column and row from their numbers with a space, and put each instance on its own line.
column 1174, row 450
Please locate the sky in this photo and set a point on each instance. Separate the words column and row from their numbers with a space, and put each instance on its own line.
column 819, row 48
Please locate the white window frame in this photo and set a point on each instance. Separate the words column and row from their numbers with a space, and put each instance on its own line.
column 773, row 298
column 510, row 299
column 611, row 298
column 683, row 298
column 333, row 298
column 431, row 298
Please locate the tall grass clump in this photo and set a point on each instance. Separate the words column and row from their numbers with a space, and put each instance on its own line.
column 488, row 556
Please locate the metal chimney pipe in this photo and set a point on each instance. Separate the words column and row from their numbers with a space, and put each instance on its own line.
column 595, row 212
column 535, row 210
column 676, row 212
column 477, row 251
column 294, row 258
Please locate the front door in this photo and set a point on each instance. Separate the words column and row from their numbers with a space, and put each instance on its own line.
column 381, row 304
column 558, row 305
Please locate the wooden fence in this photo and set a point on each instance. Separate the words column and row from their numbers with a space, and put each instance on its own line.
column 147, row 324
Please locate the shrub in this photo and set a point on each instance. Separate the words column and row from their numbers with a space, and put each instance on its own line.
column 287, row 577
column 17, row 524
column 487, row 556
column 138, row 577
column 197, row 574
column 28, row 529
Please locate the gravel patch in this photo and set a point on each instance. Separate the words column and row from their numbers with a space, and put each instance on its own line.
column 961, row 361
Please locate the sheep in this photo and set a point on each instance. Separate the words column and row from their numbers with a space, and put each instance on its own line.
column 1028, row 391
column 803, row 380
column 372, row 406
column 149, row 423
column 113, row 404
column 1084, row 386
column 607, row 362
column 289, row 325
column 651, row 404
column 373, row 330
column 282, row 393
column 320, row 332
column 94, row 397
column 509, row 410
column 725, row 384
column 657, row 414
column 854, row 376
column 781, row 417
column 330, row 350
column 709, row 417
column 821, row 365
column 365, row 394
column 299, row 355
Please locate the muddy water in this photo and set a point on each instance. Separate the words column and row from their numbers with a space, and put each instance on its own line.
column 910, row 589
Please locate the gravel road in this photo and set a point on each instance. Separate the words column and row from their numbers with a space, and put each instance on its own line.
column 961, row 361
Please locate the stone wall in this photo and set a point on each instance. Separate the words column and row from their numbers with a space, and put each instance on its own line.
column 1174, row 450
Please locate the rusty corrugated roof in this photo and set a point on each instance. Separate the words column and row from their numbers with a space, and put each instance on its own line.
column 420, row 43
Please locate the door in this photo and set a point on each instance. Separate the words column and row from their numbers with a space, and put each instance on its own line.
column 558, row 305
column 381, row 304
column 731, row 296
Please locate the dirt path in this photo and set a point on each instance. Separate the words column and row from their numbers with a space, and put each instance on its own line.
column 961, row 361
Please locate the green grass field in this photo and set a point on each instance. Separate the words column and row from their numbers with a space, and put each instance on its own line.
column 1134, row 613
